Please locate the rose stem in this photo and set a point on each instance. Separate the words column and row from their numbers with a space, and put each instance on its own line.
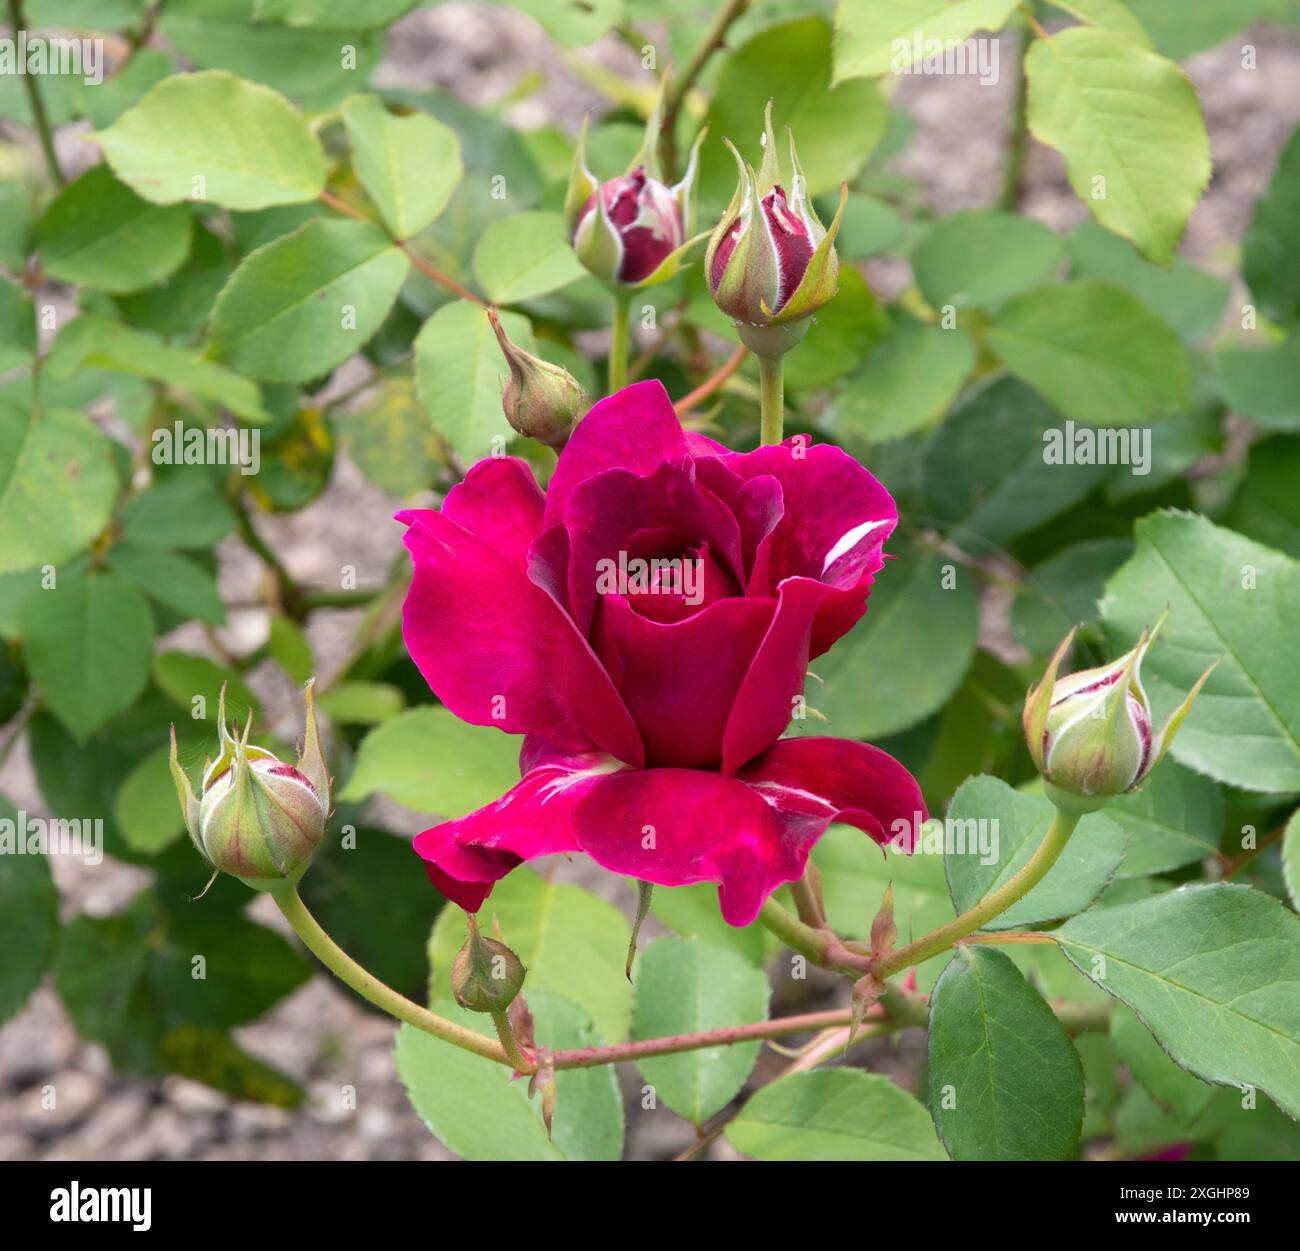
column 618, row 341
column 771, row 379
column 825, row 948
column 369, row 987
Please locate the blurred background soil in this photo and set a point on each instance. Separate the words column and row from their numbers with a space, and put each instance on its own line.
column 319, row 1035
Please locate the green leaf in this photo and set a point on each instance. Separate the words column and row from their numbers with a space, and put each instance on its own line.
column 1005, row 1080
column 1270, row 260
column 1263, row 385
column 906, row 383
column 1063, row 591
column 303, row 304
column 185, row 678
column 98, row 970
column 1108, row 14
column 874, row 37
column 330, row 13
column 843, row 334
column 198, row 127
column 984, row 473
column 979, row 258
column 17, row 326
column 181, row 305
column 573, row 22
column 572, row 943
column 1181, row 27
column 991, row 821
column 1174, row 818
column 682, row 987
column 99, row 233
column 211, row 1057
column 29, row 915
column 835, row 126
column 1152, row 161
column 1291, row 858
column 99, row 342
column 408, row 165
column 908, row 655
column 289, row 648
column 185, row 511
column 1188, row 298
column 316, row 67
column 16, row 226
column 57, row 486
column 1095, row 351
column 1212, row 972
column 355, row 879
column 146, row 808
column 523, row 256
column 1267, row 506
column 869, row 227
column 171, row 579
column 1171, row 1087
column 1227, row 597
column 834, row 1114
column 391, row 439
column 458, row 373
column 429, row 760
column 855, row 875
column 361, row 703
column 218, row 971
column 472, row 1105
column 88, row 646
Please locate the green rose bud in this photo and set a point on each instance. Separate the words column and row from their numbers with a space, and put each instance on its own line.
column 257, row 818
column 486, row 975
column 632, row 231
column 1090, row 733
column 770, row 262
column 541, row 401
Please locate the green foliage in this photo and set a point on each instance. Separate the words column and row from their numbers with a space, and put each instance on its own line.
column 266, row 240
column 681, row 987
column 1005, row 1081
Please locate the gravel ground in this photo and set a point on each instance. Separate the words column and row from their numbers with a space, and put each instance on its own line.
column 319, row 1035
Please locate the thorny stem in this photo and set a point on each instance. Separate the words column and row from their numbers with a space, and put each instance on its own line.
column 370, row 988
column 40, row 119
column 508, row 1044
column 713, row 39
column 693, row 399
column 427, row 268
column 1030, row 874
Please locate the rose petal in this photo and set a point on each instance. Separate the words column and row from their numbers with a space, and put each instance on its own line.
column 499, row 651
column 635, row 428
column 606, row 512
column 678, row 826
column 859, row 784
column 499, row 502
column 534, row 818
column 679, row 679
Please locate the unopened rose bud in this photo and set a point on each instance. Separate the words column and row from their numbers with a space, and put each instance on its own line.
column 770, row 262
column 258, row 819
column 486, row 975
column 1090, row 733
column 541, row 401
column 632, row 231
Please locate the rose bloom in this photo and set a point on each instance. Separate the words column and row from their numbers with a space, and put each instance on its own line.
column 653, row 708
